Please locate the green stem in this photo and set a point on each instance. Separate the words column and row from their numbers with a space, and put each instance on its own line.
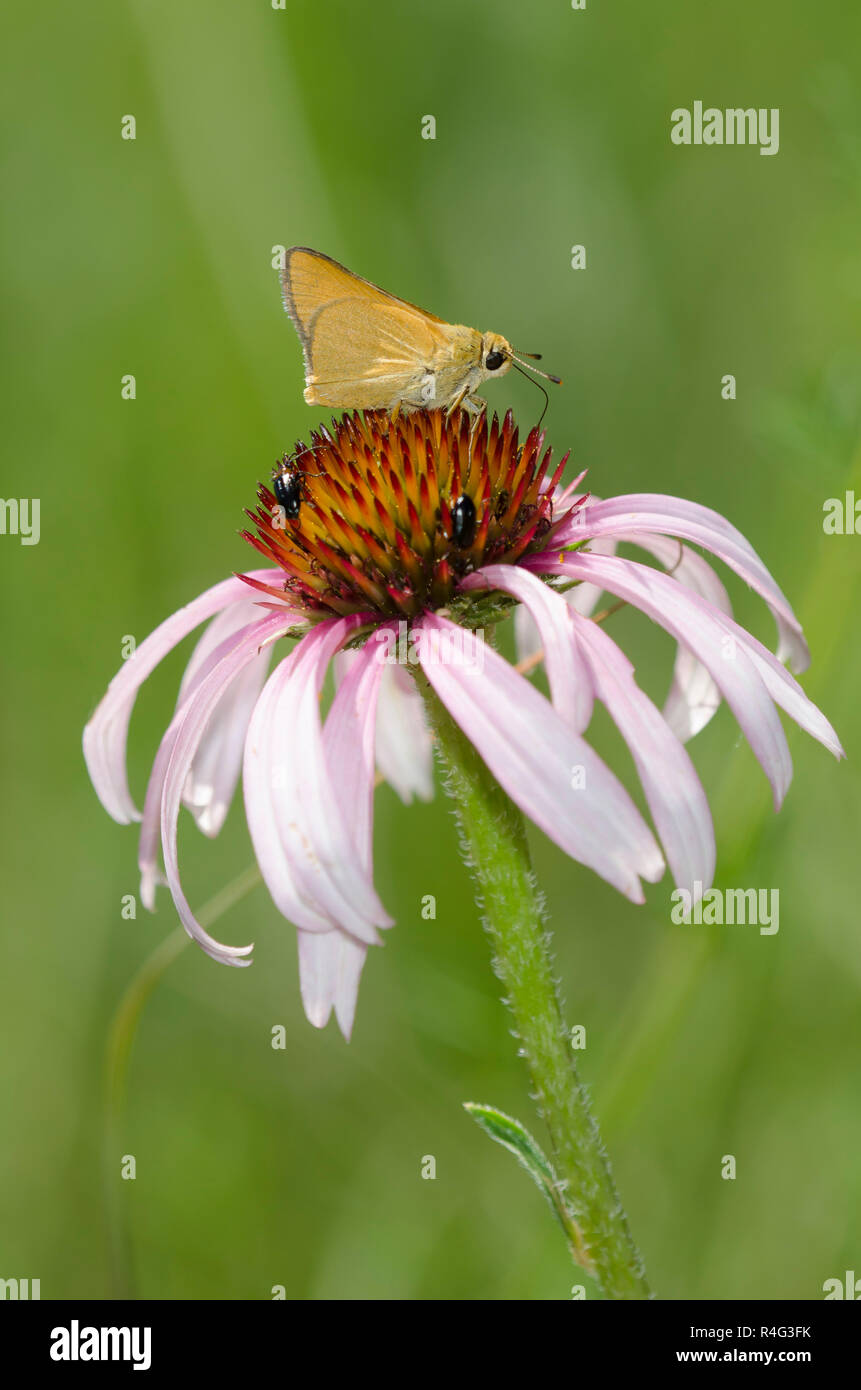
column 493, row 839
column 121, row 1036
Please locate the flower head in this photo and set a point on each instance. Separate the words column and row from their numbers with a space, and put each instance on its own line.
column 420, row 527
column 396, row 512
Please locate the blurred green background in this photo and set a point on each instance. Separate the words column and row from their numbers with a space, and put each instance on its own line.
column 258, row 127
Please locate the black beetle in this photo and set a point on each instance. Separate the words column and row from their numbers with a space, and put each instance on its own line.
column 463, row 519
column 287, row 484
column 287, row 487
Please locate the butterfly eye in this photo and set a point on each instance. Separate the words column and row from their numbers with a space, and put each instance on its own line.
column 493, row 360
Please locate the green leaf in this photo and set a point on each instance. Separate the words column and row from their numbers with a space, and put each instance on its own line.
column 515, row 1137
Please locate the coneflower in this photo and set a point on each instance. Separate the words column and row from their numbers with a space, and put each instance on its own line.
column 393, row 548
column 410, row 539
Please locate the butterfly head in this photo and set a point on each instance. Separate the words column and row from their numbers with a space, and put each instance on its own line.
column 496, row 354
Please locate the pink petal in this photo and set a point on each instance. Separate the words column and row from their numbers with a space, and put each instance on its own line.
column 263, row 793
column 786, row 692
column 533, row 756
column 693, row 697
column 310, row 814
column 651, row 512
column 570, row 683
column 203, row 662
column 330, row 966
column 584, row 598
column 403, row 748
column 527, row 638
column 348, row 738
column 673, row 789
column 106, row 733
column 197, row 713
column 781, row 686
column 715, row 639
column 218, row 761
column 330, row 963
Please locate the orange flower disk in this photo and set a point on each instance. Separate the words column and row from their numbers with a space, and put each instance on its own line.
column 375, row 529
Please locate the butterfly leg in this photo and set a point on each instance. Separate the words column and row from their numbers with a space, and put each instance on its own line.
column 461, row 399
column 476, row 406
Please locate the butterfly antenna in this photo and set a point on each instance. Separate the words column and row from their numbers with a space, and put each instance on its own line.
column 536, row 357
column 525, row 373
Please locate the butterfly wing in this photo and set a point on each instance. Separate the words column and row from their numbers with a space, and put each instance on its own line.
column 367, row 356
column 363, row 347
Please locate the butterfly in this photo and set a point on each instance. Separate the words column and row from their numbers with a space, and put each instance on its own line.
column 365, row 349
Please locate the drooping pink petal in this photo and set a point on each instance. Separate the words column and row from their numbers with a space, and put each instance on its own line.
column 197, row 712
column 527, row 638
column 786, row 692
column 106, row 733
column 263, row 789
column 217, row 764
column 584, row 598
column 570, row 683
column 310, row 815
column 673, row 789
column 330, row 966
column 348, row 740
column 714, row 638
column 330, row 963
column 693, row 697
column 548, row 770
column 697, row 574
column 403, row 747
column 646, row 512
column 205, row 659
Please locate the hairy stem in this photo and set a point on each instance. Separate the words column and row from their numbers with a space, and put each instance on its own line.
column 493, row 840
